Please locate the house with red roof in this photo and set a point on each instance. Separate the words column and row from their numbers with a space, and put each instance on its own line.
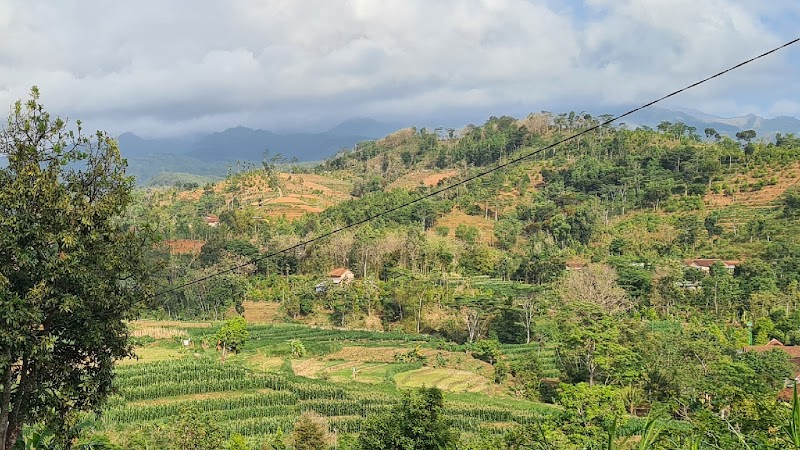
column 705, row 264
column 340, row 275
column 211, row 220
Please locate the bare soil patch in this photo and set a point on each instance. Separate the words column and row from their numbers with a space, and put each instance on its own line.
column 261, row 312
column 309, row 368
column 159, row 332
column 456, row 217
column 421, row 178
column 184, row 246
column 368, row 354
column 168, row 323
column 766, row 196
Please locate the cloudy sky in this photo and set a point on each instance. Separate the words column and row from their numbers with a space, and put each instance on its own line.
column 168, row 68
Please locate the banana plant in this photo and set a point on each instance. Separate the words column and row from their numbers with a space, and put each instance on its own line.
column 650, row 436
column 37, row 438
column 792, row 429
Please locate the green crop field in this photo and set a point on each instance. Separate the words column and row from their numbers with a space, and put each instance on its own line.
column 243, row 398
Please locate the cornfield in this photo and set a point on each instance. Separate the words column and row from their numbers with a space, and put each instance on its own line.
column 256, row 404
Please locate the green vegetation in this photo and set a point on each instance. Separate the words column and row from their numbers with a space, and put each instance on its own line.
column 71, row 272
column 257, row 404
column 596, row 296
column 628, row 329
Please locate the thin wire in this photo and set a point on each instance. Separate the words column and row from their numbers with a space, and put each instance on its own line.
column 478, row 175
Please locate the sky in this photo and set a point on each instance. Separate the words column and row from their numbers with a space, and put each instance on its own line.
column 179, row 67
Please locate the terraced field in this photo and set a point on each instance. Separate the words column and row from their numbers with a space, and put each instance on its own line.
column 262, row 390
column 545, row 357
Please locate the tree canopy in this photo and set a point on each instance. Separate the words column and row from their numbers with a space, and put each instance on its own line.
column 71, row 271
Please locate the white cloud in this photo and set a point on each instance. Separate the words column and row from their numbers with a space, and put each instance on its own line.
column 181, row 66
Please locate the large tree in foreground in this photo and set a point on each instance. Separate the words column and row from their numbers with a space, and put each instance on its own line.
column 71, row 273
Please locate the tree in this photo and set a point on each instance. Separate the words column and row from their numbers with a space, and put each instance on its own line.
column 746, row 135
column 591, row 348
column 712, row 226
column 211, row 300
column 417, row 423
column 237, row 442
column 475, row 321
column 791, row 203
column 487, row 350
column 689, row 229
column 195, row 431
column 719, row 286
column 232, row 335
column 310, row 432
column 413, row 293
column 467, row 233
column 275, row 442
column 595, row 284
column 71, row 271
column 527, row 311
column 506, row 232
column 712, row 133
column 298, row 349
column 588, row 407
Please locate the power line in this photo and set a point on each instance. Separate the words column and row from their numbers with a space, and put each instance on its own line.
column 479, row 174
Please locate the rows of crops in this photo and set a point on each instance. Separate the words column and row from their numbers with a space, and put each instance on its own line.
column 544, row 356
column 265, row 334
column 256, row 404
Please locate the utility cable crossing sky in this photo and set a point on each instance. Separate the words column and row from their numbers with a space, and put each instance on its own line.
column 477, row 175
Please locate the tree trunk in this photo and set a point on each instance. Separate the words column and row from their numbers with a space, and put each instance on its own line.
column 13, row 433
column 5, row 402
column 527, row 318
column 419, row 313
column 14, row 426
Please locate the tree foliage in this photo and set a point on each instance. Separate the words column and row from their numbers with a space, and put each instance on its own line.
column 71, row 271
column 232, row 335
column 416, row 423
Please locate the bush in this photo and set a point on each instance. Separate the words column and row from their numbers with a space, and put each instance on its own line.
column 310, row 432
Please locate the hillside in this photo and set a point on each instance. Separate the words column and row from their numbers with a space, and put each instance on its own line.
column 344, row 376
column 556, row 285
column 292, row 196
column 210, row 154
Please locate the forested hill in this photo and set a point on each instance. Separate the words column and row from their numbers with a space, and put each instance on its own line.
column 210, row 155
column 645, row 199
column 624, row 271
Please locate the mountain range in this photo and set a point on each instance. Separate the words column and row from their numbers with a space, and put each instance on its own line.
column 210, row 154
column 247, row 144
column 728, row 126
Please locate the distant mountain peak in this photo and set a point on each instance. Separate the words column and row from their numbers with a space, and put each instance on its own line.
column 724, row 125
column 363, row 126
